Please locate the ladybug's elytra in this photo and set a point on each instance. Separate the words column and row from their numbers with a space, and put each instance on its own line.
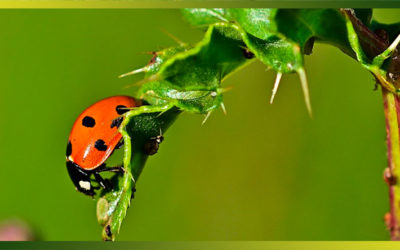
column 93, row 138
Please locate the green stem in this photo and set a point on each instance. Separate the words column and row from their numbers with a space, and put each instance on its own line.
column 392, row 117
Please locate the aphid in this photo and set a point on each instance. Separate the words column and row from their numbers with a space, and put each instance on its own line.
column 152, row 145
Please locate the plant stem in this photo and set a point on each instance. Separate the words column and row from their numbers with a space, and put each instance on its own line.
column 392, row 117
column 373, row 44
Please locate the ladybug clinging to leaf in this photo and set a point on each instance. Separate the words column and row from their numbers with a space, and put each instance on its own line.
column 93, row 138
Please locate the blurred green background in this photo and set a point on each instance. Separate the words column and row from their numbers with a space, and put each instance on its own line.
column 263, row 172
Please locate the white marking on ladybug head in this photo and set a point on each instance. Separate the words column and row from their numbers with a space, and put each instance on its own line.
column 85, row 185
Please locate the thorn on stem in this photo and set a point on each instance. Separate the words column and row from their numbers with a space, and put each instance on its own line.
column 206, row 118
column 304, row 86
column 276, row 85
column 389, row 178
column 223, row 108
column 224, row 90
column 379, row 59
column 388, row 221
column 177, row 40
column 140, row 83
column 136, row 71
column 395, row 43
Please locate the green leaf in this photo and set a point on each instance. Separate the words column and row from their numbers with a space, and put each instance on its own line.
column 191, row 79
column 259, row 23
column 200, row 17
column 137, row 128
column 280, row 37
column 160, row 57
column 195, row 101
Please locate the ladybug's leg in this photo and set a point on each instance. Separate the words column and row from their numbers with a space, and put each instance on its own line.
column 120, row 144
column 103, row 168
column 105, row 183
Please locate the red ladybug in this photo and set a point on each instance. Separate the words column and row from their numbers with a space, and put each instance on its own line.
column 93, row 138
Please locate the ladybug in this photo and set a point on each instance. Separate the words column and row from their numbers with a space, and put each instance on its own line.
column 93, row 138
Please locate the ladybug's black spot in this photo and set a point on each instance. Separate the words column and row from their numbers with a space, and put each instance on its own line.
column 117, row 122
column 69, row 148
column 88, row 121
column 121, row 109
column 100, row 145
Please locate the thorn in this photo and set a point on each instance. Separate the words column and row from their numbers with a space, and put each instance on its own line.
column 140, row 83
column 223, row 108
column 276, row 85
column 379, row 59
column 388, row 221
column 136, row 84
column 147, row 52
column 389, row 178
column 224, row 90
column 177, row 40
column 133, row 72
column 160, row 114
column 133, row 179
column 394, row 44
column 206, row 118
column 304, row 86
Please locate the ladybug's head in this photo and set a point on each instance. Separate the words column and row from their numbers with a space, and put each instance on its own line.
column 80, row 178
